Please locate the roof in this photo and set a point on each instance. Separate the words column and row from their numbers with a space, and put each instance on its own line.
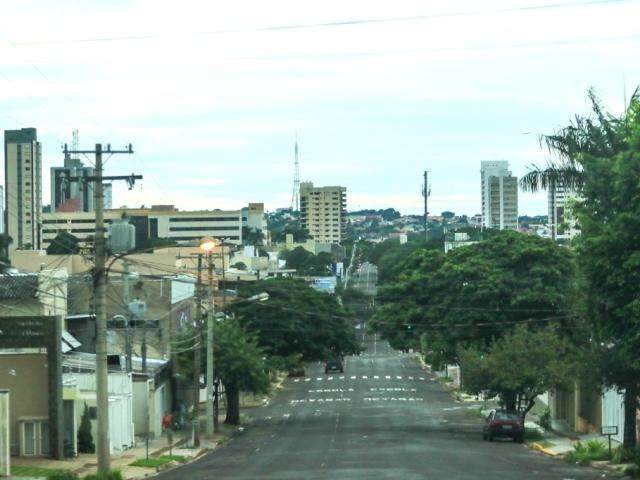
column 18, row 286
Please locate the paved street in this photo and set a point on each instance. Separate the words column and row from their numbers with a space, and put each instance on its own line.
column 382, row 419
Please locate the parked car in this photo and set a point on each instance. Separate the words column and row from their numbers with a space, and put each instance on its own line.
column 502, row 423
column 334, row 365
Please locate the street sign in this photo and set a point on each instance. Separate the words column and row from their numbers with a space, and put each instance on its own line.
column 609, row 431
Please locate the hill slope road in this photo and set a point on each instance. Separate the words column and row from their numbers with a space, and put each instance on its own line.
column 382, row 419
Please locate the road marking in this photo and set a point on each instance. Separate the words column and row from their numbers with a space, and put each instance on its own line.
column 388, row 377
column 364, row 377
column 319, row 378
column 296, row 380
column 342, row 378
column 422, row 378
column 307, row 379
column 286, row 415
column 353, row 377
column 376, row 377
column 410, row 378
column 399, row 377
column 329, row 378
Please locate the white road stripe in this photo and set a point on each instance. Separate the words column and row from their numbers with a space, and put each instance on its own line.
column 353, row 377
column 307, row 379
column 376, row 377
column 364, row 377
column 399, row 377
column 410, row 378
column 296, row 380
column 388, row 377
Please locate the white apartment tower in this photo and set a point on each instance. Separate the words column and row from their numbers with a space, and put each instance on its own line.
column 323, row 212
column 23, row 187
column 562, row 222
column 499, row 196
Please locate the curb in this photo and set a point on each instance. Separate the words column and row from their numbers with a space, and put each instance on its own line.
column 540, row 448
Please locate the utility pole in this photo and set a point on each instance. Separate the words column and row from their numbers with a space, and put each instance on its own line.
column 212, row 427
column 127, row 299
column 196, row 358
column 426, row 191
column 99, row 279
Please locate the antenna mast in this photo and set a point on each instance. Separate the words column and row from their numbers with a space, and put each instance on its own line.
column 295, row 196
column 426, row 192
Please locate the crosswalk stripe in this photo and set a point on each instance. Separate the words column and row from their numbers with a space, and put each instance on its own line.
column 353, row 377
column 296, row 380
column 376, row 377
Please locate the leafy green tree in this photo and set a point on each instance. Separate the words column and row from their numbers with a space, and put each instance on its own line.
column 5, row 242
column 85, row 439
column 521, row 365
column 296, row 321
column 600, row 156
column 239, row 266
column 64, row 243
column 252, row 236
column 239, row 363
column 474, row 294
column 306, row 263
column 300, row 234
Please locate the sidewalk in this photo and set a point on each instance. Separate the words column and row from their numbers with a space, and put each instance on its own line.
column 85, row 464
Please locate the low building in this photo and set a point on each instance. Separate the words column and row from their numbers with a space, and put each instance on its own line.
column 457, row 240
column 41, row 293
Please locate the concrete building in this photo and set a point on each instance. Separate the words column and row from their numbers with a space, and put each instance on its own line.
column 1, row 209
column 457, row 240
column 107, row 194
column 499, row 196
column 23, row 187
column 157, row 222
column 323, row 212
column 562, row 222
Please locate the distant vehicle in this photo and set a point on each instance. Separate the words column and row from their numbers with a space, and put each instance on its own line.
column 334, row 365
column 502, row 423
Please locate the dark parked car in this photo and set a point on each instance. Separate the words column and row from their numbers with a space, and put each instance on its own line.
column 334, row 365
column 502, row 423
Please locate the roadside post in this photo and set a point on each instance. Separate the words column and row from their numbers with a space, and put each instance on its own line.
column 609, row 431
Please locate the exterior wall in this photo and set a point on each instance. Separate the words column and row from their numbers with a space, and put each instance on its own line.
column 80, row 224
column 613, row 412
column 323, row 211
column 499, row 196
column 25, row 376
column 562, row 222
column 23, row 187
column 1, row 209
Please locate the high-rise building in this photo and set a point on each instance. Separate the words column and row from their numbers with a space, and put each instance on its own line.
column 1, row 209
column 107, row 195
column 323, row 212
column 72, row 196
column 499, row 196
column 23, row 187
column 562, row 221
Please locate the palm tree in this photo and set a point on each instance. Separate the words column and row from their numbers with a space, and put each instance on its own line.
column 601, row 135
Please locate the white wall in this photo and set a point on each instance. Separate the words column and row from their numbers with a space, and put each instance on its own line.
column 613, row 412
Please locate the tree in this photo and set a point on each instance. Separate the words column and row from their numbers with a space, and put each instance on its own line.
column 474, row 294
column 600, row 156
column 518, row 367
column 64, row 243
column 306, row 263
column 5, row 242
column 297, row 323
column 85, row 439
column 239, row 364
column 448, row 215
column 239, row 266
column 252, row 236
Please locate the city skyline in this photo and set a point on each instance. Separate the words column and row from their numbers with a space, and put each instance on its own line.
column 382, row 89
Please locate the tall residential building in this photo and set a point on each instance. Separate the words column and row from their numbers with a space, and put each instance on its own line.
column 68, row 196
column 499, row 196
column 562, row 222
column 323, row 212
column 23, row 187
column 107, row 195
column 1, row 209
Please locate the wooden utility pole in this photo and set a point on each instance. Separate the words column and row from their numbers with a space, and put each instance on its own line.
column 212, row 419
column 99, row 285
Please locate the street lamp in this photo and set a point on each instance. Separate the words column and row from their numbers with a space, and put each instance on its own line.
column 207, row 244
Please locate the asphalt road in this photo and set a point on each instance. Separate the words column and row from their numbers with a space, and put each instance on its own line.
column 382, row 419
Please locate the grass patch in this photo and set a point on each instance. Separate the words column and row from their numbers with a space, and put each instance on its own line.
column 155, row 462
column 18, row 471
column 585, row 453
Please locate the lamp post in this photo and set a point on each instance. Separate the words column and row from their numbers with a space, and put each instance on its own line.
column 207, row 244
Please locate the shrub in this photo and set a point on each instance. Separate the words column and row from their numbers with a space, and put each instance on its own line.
column 545, row 419
column 585, row 453
column 63, row 476
column 85, row 439
column 110, row 475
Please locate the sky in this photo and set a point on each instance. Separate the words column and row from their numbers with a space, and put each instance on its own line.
column 213, row 94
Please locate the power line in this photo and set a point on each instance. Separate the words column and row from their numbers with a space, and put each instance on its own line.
column 321, row 25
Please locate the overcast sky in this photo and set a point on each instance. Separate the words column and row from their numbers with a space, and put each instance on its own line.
column 211, row 96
